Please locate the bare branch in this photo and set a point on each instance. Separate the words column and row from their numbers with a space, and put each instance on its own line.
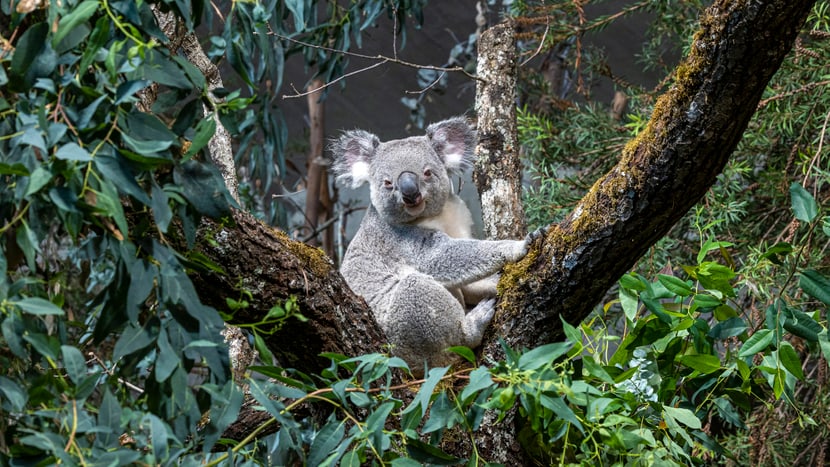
column 324, row 86
column 381, row 60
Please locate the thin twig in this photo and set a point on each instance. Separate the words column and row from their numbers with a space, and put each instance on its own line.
column 324, row 86
column 816, row 156
column 541, row 44
column 432, row 84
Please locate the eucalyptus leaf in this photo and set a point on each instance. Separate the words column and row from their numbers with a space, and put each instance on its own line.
column 74, row 363
column 73, row 152
column 77, row 15
column 803, row 204
column 38, row 306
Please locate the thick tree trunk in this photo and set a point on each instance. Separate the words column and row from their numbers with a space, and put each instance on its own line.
column 272, row 268
column 498, row 169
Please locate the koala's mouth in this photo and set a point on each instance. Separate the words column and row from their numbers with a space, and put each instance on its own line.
column 415, row 209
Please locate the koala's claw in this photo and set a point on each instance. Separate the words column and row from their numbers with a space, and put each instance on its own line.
column 541, row 232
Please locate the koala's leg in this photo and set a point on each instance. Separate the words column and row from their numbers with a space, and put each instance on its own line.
column 423, row 319
column 480, row 290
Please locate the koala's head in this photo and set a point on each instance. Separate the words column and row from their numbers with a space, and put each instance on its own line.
column 408, row 178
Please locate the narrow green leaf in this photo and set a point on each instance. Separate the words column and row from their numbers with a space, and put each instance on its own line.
column 803, row 204
column 756, row 343
column 325, row 441
column 630, row 303
column 167, row 359
column 543, row 355
column 464, row 352
column 73, row 152
column 74, row 363
column 77, row 15
column 703, row 363
column 37, row 180
column 675, row 285
column 790, row 360
column 479, row 379
column 38, row 306
column 632, row 282
column 264, row 352
column 425, row 393
column 561, row 409
column 204, row 132
column 684, row 416
column 135, row 338
column 13, row 394
column 815, row 284
column 429, row 454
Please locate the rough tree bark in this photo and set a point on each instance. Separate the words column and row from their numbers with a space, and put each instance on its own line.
column 661, row 174
column 498, row 169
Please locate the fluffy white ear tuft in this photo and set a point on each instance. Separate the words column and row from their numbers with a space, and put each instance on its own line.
column 360, row 173
column 455, row 160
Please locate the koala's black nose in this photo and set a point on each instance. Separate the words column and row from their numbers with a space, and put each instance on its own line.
column 408, row 184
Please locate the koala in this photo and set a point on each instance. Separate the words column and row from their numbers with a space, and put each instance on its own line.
column 412, row 258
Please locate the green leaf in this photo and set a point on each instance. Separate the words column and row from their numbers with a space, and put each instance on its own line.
column 479, row 379
column 116, row 169
column 425, row 393
column 684, row 416
column 109, row 417
column 37, row 180
column 203, row 187
column 264, row 352
column 630, row 303
column 675, row 285
column 74, row 363
column 14, row 169
column 802, row 325
column 790, row 360
column 73, row 152
column 47, row 346
column 729, row 328
column 32, row 58
column 558, row 406
column 815, row 284
column 803, row 204
column 777, row 252
column 429, row 454
column 77, row 15
column 325, row 441
column 147, row 148
column 14, row 394
column 135, row 338
column 632, row 282
column 38, row 306
column 543, row 355
column 703, row 363
column 204, row 132
column 756, row 343
column 464, row 352
column 167, row 359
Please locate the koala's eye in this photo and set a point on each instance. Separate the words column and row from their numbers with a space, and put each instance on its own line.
column 387, row 184
column 427, row 173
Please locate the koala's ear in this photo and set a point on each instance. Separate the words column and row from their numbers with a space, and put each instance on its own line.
column 352, row 153
column 454, row 140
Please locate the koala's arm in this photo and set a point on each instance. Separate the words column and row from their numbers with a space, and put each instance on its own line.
column 454, row 262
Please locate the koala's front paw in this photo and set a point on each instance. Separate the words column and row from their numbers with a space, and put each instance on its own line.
column 541, row 232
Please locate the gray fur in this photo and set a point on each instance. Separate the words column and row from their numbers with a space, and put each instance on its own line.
column 404, row 260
